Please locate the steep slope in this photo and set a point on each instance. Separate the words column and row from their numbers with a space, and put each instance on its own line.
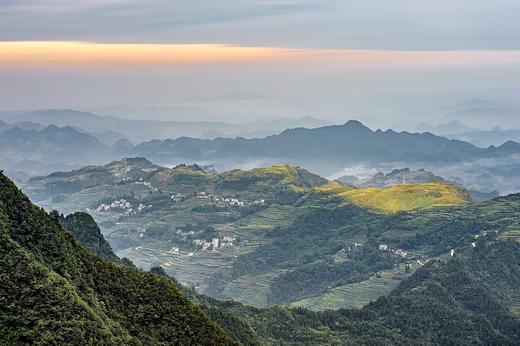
column 461, row 301
column 55, row 291
column 86, row 232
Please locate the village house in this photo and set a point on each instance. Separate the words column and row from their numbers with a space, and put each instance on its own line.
column 228, row 239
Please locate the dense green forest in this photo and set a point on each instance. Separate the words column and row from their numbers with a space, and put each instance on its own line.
column 54, row 291
column 305, row 250
column 87, row 232
column 466, row 300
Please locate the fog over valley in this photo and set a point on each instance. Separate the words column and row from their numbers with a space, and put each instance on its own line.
column 259, row 173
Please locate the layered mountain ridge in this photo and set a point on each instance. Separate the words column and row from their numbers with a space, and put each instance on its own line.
column 69, row 295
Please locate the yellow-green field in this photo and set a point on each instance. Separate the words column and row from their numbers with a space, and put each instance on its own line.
column 401, row 197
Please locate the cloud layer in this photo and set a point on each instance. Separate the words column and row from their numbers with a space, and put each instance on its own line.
column 373, row 24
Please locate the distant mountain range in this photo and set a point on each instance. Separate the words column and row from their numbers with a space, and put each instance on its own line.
column 31, row 149
column 481, row 113
column 24, row 125
column 331, row 147
column 445, row 129
column 28, row 152
column 485, row 138
column 395, row 177
column 481, row 138
column 476, row 121
column 109, row 128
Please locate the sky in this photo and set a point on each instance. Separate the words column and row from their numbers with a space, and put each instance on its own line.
column 385, row 62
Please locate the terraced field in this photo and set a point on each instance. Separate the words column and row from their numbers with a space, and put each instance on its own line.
column 251, row 290
column 358, row 294
column 282, row 221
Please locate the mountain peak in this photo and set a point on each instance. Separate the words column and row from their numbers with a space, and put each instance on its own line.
column 51, row 128
column 138, row 161
column 356, row 124
column 510, row 145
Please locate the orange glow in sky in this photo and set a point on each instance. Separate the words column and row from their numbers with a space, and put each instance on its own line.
column 42, row 54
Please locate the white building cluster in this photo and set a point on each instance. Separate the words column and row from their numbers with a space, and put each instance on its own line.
column 349, row 248
column 123, row 204
column 184, row 233
column 143, row 207
column 214, row 243
column 178, row 197
column 398, row 252
column 229, row 200
column 202, row 243
column 118, row 204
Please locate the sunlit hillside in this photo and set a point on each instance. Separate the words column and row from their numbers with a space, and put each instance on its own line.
column 284, row 174
column 402, row 197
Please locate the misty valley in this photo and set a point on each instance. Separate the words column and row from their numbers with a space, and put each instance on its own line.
column 259, row 173
column 324, row 260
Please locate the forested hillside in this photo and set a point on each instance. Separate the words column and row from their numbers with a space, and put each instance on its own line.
column 87, row 232
column 55, row 291
column 472, row 298
column 69, row 295
column 277, row 227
